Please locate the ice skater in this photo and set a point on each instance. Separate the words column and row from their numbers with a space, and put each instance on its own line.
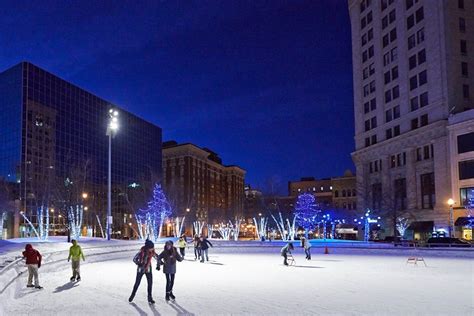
column 182, row 245
column 33, row 262
column 168, row 258
column 307, row 247
column 75, row 253
column 197, row 247
column 204, row 243
column 143, row 261
column 285, row 251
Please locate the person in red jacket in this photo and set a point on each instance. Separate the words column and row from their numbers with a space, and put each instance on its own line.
column 33, row 262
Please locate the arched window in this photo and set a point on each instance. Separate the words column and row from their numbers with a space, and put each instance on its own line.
column 353, row 192
column 344, row 193
column 336, row 193
column 348, row 192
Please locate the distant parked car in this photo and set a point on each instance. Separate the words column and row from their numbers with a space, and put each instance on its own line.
column 392, row 238
column 446, row 242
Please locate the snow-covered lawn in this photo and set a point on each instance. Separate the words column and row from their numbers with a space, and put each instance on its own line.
column 244, row 281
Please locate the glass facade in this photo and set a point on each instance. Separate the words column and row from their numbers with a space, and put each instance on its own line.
column 60, row 129
column 10, row 123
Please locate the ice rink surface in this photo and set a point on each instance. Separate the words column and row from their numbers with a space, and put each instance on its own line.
column 240, row 281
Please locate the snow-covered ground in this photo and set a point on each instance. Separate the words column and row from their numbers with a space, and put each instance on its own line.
column 247, row 280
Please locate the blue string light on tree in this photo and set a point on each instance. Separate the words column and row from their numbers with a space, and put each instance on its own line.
column 306, row 212
column 368, row 221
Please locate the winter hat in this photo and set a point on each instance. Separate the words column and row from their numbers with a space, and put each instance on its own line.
column 28, row 247
column 149, row 244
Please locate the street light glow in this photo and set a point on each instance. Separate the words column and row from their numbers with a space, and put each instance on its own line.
column 85, row 195
column 450, row 202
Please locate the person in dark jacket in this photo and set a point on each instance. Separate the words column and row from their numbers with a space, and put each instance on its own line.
column 143, row 261
column 168, row 258
column 197, row 247
column 33, row 262
column 204, row 244
column 285, row 251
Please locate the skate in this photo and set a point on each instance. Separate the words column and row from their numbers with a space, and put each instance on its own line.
column 30, row 285
column 38, row 287
column 150, row 300
column 72, row 278
column 167, row 296
column 172, row 296
column 78, row 278
column 130, row 299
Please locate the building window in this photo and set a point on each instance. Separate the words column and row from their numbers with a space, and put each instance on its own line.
column 394, row 72
column 414, row 104
column 388, row 116
column 395, row 92
column 422, row 78
column 461, row 4
column 420, row 36
column 396, row 130
column 392, row 16
column 420, row 15
column 376, row 196
column 466, row 170
column 414, row 123
column 393, row 35
column 396, row 112
column 384, row 22
column 427, row 190
column 462, row 25
column 388, row 96
column 367, row 141
column 400, row 193
column 465, row 91
column 464, row 69
column 413, row 83
column 385, row 41
column 424, row 120
column 386, row 77
column 467, row 195
column 424, row 99
column 411, row 41
column 388, row 133
column 393, row 54
column 421, row 57
column 373, row 104
column 463, row 47
column 373, row 139
column 412, row 62
column 465, row 143
column 409, row 4
column 410, row 21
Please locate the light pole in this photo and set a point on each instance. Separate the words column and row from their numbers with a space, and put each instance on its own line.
column 451, row 217
column 112, row 128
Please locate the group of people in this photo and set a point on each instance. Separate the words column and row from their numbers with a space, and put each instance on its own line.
column 33, row 262
column 201, row 247
column 286, row 250
column 168, row 259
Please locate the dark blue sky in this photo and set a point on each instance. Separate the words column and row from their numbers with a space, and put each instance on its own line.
column 267, row 85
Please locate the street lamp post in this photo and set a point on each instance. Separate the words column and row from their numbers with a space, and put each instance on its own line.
column 112, row 128
column 451, row 217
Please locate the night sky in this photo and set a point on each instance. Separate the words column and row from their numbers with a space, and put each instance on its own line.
column 267, row 85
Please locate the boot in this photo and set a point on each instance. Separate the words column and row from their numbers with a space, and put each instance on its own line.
column 167, row 296
column 150, row 300
column 172, row 296
column 130, row 299
column 72, row 278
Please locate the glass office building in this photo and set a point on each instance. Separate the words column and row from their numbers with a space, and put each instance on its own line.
column 52, row 130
